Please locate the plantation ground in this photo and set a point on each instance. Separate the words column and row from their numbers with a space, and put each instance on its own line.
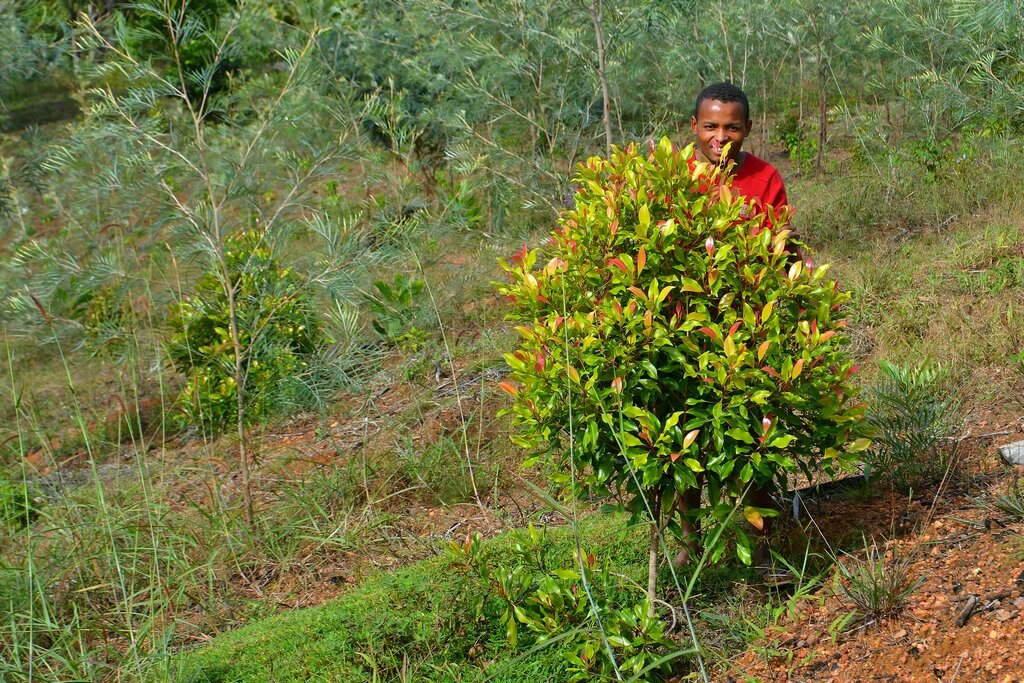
column 958, row 546
column 125, row 552
column 350, row 500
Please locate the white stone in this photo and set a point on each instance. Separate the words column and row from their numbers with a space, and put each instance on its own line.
column 1013, row 453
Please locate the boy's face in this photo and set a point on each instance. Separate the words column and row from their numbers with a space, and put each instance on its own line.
column 716, row 124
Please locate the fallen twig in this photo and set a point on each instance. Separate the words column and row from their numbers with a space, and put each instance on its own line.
column 968, row 611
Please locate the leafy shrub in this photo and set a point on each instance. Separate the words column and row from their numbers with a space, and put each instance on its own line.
column 394, row 307
column 667, row 343
column 577, row 605
column 913, row 414
column 279, row 333
column 461, row 205
column 791, row 132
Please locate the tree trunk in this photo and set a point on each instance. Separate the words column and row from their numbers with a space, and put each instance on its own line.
column 822, row 111
column 239, row 377
column 596, row 11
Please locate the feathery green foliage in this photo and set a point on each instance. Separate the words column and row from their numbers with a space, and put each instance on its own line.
column 913, row 414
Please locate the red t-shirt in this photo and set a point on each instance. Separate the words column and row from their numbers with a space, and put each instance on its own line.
column 758, row 181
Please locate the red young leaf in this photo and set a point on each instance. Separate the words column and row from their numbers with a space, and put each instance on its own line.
column 732, row 330
column 709, row 332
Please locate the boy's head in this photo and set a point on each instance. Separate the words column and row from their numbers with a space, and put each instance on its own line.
column 720, row 115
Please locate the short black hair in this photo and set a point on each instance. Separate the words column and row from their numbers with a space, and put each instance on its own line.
column 723, row 92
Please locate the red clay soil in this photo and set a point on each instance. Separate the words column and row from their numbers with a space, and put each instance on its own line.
column 966, row 620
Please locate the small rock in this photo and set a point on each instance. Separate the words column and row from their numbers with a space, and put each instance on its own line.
column 1013, row 453
column 1019, row 603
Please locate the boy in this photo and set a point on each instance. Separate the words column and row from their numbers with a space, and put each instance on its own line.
column 721, row 116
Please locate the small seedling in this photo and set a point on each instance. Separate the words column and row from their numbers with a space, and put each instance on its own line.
column 877, row 586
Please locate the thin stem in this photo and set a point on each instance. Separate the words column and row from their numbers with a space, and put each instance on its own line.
column 596, row 12
column 455, row 385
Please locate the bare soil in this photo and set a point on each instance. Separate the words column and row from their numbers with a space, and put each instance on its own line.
column 966, row 620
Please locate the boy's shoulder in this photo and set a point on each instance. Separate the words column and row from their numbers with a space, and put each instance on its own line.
column 755, row 165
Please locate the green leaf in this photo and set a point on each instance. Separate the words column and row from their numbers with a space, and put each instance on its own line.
column 740, row 435
column 782, row 441
column 691, row 285
column 693, row 465
column 859, row 445
column 743, row 548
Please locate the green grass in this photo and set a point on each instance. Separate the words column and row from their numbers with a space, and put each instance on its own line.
column 925, row 288
column 415, row 623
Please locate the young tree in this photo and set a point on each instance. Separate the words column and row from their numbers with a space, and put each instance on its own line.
column 957, row 62
column 669, row 344
column 231, row 195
